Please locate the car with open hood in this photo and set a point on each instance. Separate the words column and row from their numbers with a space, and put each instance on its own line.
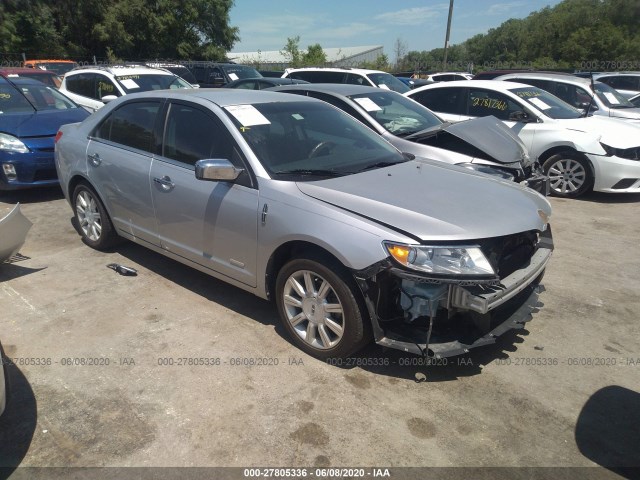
column 578, row 153
column 484, row 144
column 295, row 201
column 30, row 115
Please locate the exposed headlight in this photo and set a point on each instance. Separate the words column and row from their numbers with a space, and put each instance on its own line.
column 632, row 153
column 441, row 260
column 488, row 169
column 12, row 144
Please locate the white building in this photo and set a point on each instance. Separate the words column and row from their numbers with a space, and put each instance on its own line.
column 336, row 57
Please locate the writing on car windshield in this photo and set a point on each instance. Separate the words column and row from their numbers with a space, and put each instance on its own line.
column 301, row 140
column 548, row 104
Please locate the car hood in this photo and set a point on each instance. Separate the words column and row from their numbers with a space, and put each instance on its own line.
column 39, row 124
column 431, row 201
column 611, row 131
column 491, row 136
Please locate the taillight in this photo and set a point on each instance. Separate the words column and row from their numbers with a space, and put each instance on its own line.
column 58, row 136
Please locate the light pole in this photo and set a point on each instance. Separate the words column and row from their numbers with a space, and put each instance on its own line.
column 446, row 40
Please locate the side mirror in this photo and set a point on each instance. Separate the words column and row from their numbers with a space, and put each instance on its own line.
column 520, row 116
column 217, row 170
column 108, row 98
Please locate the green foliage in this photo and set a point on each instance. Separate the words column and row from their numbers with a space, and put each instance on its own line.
column 131, row 29
column 380, row 63
column 291, row 51
column 314, row 56
column 573, row 34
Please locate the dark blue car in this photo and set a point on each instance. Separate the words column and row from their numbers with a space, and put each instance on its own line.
column 30, row 115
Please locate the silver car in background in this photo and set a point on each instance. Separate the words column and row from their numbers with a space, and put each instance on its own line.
column 482, row 144
column 293, row 200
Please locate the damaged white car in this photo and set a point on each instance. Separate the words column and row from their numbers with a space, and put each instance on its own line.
column 578, row 153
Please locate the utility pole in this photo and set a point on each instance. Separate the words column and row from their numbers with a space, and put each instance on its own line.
column 446, row 40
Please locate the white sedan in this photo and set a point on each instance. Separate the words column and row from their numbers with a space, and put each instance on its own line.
column 578, row 153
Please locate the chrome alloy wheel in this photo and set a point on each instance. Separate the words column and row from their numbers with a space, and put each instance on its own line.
column 567, row 175
column 88, row 215
column 313, row 309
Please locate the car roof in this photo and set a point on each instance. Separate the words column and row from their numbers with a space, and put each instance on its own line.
column 614, row 74
column 119, row 70
column 223, row 97
column 547, row 76
column 497, row 85
column 333, row 69
column 20, row 81
column 336, row 88
column 30, row 71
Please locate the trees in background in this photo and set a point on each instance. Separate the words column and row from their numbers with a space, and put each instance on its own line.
column 578, row 34
column 132, row 29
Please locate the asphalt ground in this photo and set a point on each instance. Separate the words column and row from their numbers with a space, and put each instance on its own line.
column 172, row 368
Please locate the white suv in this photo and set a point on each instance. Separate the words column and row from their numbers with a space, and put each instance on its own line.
column 95, row 85
column 352, row 76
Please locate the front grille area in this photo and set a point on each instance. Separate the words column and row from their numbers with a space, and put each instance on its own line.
column 511, row 252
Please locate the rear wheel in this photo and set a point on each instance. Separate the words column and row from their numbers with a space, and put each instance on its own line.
column 92, row 219
column 318, row 306
column 569, row 174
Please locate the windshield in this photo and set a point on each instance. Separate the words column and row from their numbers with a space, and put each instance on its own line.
column 236, row 72
column 146, row 82
column 32, row 97
column 611, row 97
column 386, row 80
column 546, row 103
column 397, row 114
column 306, row 140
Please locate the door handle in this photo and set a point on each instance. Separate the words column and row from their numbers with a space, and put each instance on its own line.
column 165, row 182
column 94, row 159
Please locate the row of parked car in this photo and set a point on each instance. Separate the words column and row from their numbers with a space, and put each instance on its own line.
column 375, row 219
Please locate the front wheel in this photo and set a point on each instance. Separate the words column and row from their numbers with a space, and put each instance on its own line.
column 318, row 307
column 569, row 174
column 92, row 218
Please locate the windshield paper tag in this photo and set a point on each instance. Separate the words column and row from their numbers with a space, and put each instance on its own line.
column 247, row 115
column 612, row 98
column 539, row 103
column 130, row 84
column 233, row 76
column 383, row 86
column 368, row 104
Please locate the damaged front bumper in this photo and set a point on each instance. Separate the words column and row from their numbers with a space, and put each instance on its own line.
column 444, row 318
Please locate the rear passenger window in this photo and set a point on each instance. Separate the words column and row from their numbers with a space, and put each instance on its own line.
column 82, row 84
column 318, row 76
column 131, row 125
column 445, row 100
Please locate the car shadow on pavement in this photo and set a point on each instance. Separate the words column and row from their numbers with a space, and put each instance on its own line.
column 18, row 423
column 608, row 430
column 214, row 290
column 601, row 197
column 11, row 271
column 31, row 195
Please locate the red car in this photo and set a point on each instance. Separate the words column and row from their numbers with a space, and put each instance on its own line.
column 49, row 78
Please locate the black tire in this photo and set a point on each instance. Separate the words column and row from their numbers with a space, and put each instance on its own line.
column 316, row 331
column 569, row 174
column 92, row 219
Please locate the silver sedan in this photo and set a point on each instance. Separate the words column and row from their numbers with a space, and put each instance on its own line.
column 294, row 200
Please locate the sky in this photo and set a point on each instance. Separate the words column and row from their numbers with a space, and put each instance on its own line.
column 420, row 25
